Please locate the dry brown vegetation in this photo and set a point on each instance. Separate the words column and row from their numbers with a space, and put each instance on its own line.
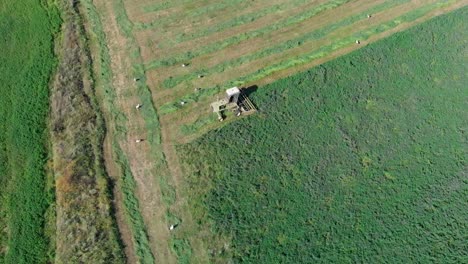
column 85, row 231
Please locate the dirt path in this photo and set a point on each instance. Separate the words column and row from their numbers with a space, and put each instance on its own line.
column 138, row 155
column 114, row 172
column 112, row 169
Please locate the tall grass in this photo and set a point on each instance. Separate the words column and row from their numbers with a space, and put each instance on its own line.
column 362, row 159
column 131, row 203
column 27, row 30
column 86, row 230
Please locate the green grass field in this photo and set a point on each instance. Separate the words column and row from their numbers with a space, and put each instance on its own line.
column 362, row 159
column 26, row 55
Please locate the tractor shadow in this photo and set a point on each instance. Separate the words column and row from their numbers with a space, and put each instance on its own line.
column 250, row 90
column 247, row 92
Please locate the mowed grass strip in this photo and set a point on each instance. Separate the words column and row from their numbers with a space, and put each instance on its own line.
column 158, row 168
column 194, row 16
column 304, row 58
column 220, row 45
column 323, row 51
column 366, row 153
column 237, row 21
column 247, row 47
column 163, row 5
column 268, row 39
column 279, row 48
column 148, row 112
column 27, row 31
column 126, row 183
column 132, row 205
column 161, row 40
column 187, row 12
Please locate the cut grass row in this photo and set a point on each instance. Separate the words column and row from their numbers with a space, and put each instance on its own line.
column 197, row 12
column 193, row 128
column 142, row 248
column 304, row 58
column 323, row 51
column 290, row 44
column 85, row 229
column 367, row 154
column 181, row 248
column 219, row 45
column 148, row 112
column 118, row 119
column 242, row 20
column 27, row 31
column 166, row 5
